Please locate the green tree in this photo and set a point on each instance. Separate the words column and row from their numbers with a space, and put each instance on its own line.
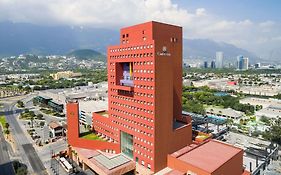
column 20, row 104
column 42, row 124
column 278, row 96
column 7, row 126
column 7, row 131
column 265, row 119
column 274, row 132
column 39, row 116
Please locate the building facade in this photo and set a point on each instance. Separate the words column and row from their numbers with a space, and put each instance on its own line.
column 213, row 64
column 219, row 60
column 144, row 89
column 205, row 64
column 242, row 63
column 144, row 120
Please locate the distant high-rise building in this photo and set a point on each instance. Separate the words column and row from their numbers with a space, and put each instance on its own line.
column 257, row 65
column 213, row 64
column 205, row 64
column 242, row 63
column 245, row 63
column 219, row 60
column 239, row 62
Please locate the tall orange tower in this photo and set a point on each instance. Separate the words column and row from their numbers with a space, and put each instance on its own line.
column 145, row 93
column 144, row 119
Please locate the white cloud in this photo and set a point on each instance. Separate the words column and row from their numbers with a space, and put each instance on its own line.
column 200, row 12
column 257, row 37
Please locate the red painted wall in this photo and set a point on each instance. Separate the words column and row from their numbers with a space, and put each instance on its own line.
column 147, row 110
column 72, row 110
column 155, row 50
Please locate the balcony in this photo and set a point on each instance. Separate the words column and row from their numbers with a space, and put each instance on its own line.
column 126, row 82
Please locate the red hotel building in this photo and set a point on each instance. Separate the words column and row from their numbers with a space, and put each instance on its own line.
column 145, row 93
column 144, row 119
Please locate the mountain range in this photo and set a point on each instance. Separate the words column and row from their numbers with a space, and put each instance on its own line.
column 21, row 38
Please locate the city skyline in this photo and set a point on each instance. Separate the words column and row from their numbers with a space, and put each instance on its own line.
column 255, row 26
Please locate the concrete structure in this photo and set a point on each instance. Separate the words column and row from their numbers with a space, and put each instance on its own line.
column 144, row 120
column 219, row 60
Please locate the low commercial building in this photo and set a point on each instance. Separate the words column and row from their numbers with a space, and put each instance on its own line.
column 87, row 108
column 48, row 102
column 258, row 154
column 93, row 92
column 102, row 163
column 228, row 113
column 43, row 99
column 56, row 106
column 265, row 102
column 272, row 111
column 65, row 74
column 56, row 129
column 210, row 158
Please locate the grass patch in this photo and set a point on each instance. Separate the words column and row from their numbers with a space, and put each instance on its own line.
column 27, row 115
column 90, row 136
column 49, row 112
column 103, row 113
column 3, row 121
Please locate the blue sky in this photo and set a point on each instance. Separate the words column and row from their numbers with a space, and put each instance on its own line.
column 254, row 25
column 256, row 10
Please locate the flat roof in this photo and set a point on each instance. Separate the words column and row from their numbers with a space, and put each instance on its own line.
column 210, row 156
column 45, row 97
column 111, row 163
column 108, row 163
column 93, row 106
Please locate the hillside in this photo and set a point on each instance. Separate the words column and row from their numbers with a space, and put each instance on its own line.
column 87, row 54
column 22, row 38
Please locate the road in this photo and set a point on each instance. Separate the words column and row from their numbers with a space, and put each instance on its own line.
column 24, row 144
column 33, row 158
column 6, row 165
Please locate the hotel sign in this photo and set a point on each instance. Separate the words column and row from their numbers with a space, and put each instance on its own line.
column 164, row 52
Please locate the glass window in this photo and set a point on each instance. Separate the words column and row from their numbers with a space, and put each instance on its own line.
column 127, row 144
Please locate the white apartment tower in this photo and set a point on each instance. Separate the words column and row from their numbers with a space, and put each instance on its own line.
column 219, row 60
